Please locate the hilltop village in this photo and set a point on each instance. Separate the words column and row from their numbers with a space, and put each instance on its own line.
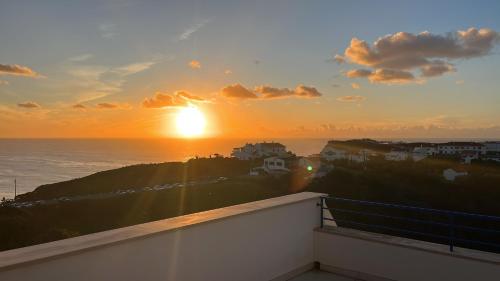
column 276, row 160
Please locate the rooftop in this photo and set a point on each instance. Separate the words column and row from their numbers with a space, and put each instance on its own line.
column 283, row 238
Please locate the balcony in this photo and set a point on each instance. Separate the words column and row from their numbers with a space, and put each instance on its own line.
column 274, row 239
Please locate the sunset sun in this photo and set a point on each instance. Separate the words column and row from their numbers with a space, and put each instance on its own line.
column 190, row 122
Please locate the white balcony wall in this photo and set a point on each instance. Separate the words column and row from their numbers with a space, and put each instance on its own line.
column 370, row 256
column 262, row 240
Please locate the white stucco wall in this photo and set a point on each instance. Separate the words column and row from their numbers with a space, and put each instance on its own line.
column 368, row 256
column 255, row 241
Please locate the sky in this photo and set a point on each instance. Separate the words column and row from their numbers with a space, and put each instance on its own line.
column 255, row 69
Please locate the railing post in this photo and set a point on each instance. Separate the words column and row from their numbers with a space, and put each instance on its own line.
column 451, row 218
column 321, row 203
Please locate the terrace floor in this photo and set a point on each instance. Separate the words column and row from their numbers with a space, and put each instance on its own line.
column 318, row 275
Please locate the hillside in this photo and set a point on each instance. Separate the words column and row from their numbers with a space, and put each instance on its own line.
column 139, row 176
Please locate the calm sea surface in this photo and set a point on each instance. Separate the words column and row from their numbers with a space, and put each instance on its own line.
column 36, row 162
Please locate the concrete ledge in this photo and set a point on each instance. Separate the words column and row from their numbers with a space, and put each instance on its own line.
column 33, row 254
column 371, row 256
column 415, row 244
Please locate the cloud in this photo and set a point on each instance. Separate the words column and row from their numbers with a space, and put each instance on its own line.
column 436, row 68
column 29, row 104
column 355, row 86
column 402, row 53
column 355, row 73
column 108, row 30
column 178, row 99
column 106, row 105
column 188, row 32
column 80, row 58
column 79, row 106
column 189, row 96
column 237, row 91
column 194, row 64
column 109, row 105
column 92, row 82
column 3, row 82
column 228, row 71
column 337, row 59
column 15, row 69
column 307, row 92
column 390, row 76
column 387, row 76
column 459, row 82
column 351, row 99
column 133, row 68
column 269, row 92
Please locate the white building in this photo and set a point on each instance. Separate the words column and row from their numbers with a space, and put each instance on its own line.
column 492, row 146
column 397, row 155
column 258, row 150
column 451, row 175
column 454, row 148
column 275, row 164
column 330, row 153
column 425, row 150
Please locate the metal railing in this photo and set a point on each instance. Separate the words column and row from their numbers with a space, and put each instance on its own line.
column 441, row 226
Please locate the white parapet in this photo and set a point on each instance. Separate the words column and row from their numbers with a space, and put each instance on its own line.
column 262, row 240
column 376, row 257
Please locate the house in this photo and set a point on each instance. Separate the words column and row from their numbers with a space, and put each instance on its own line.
column 451, row 174
column 275, row 165
column 245, row 152
column 397, row 155
column 335, row 150
column 258, row 150
column 270, row 148
column 455, row 148
column 492, row 146
column 468, row 156
column 425, row 150
column 331, row 153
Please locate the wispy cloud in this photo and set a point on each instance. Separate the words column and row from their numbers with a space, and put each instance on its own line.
column 108, row 30
column 110, row 105
column 97, row 81
column 19, row 70
column 351, row 99
column 178, row 99
column 191, row 30
column 3, row 82
column 238, row 91
column 355, row 86
column 80, row 58
column 29, row 105
column 79, row 106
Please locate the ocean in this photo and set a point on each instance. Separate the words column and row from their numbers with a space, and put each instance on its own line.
column 34, row 162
